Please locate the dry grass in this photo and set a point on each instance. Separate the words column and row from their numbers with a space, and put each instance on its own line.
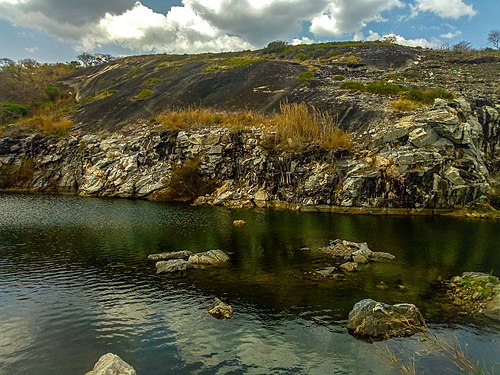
column 49, row 124
column 403, row 105
column 295, row 126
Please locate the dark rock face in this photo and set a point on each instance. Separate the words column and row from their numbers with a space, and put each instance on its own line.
column 111, row 364
column 377, row 320
column 434, row 159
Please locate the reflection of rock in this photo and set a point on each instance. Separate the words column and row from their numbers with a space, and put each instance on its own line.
column 476, row 293
column 380, row 321
column 328, row 271
column 173, row 255
column 211, row 257
column 173, row 265
column 111, row 364
column 220, row 310
column 239, row 223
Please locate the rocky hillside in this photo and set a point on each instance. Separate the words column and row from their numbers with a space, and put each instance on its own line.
column 424, row 127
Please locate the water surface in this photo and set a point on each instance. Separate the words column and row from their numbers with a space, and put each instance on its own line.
column 75, row 284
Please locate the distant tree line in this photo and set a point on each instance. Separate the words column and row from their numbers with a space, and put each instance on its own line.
column 89, row 59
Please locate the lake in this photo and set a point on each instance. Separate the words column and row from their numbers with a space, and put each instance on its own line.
column 75, row 284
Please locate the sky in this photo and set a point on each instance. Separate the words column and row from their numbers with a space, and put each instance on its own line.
column 59, row 30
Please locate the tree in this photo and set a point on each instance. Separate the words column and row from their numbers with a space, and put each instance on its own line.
column 494, row 38
column 86, row 58
column 462, row 46
column 277, row 46
column 89, row 59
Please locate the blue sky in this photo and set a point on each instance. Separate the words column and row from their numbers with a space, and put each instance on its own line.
column 58, row 30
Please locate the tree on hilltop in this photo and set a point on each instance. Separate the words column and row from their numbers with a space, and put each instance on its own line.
column 494, row 38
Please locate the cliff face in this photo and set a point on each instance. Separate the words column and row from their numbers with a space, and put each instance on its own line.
column 437, row 158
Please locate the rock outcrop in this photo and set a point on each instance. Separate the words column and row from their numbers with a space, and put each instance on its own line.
column 211, row 258
column 434, row 159
column 354, row 252
column 172, row 265
column 185, row 254
column 111, row 364
column 376, row 320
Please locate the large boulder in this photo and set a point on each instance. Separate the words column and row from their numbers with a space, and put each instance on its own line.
column 172, row 265
column 111, row 364
column 377, row 320
column 211, row 257
column 172, row 255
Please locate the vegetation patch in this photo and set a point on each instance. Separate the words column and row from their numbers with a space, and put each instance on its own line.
column 144, row 94
column 305, row 77
column 231, row 63
column 17, row 175
column 186, row 183
column 10, row 112
column 152, row 81
column 52, row 125
column 338, row 77
column 403, row 105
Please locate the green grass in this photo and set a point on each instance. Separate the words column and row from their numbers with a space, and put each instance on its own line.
column 152, row 81
column 144, row 94
column 11, row 111
column 305, row 77
column 231, row 63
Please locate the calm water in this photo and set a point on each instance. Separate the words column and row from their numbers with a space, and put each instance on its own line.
column 75, row 284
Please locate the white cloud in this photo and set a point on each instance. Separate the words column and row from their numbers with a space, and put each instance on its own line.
column 303, row 40
column 398, row 39
column 343, row 17
column 451, row 34
column 453, row 9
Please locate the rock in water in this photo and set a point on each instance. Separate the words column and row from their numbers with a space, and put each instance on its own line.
column 377, row 320
column 349, row 266
column 172, row 255
column 173, row 265
column 239, row 223
column 220, row 310
column 111, row 364
column 211, row 257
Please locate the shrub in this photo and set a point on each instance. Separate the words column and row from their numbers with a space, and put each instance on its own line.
column 144, row 94
column 297, row 125
column 427, row 96
column 52, row 93
column 277, row 46
column 338, row 77
column 186, row 183
column 152, row 81
column 383, row 88
column 11, row 112
column 49, row 124
column 305, row 77
column 353, row 86
column 403, row 105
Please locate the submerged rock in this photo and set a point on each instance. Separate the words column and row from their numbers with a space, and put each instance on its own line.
column 173, row 265
column 172, row 255
column 377, row 320
column 111, row 364
column 349, row 266
column 211, row 257
column 220, row 310
column 239, row 223
column 355, row 252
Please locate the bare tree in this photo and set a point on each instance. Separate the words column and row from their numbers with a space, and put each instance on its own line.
column 462, row 46
column 494, row 38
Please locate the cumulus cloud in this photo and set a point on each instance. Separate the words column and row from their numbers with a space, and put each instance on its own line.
column 398, row 39
column 342, row 16
column 453, row 9
column 451, row 34
column 209, row 25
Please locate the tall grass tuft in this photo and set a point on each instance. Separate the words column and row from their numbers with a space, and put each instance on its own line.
column 297, row 125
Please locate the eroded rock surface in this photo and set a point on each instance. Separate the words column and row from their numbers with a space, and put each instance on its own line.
column 211, row 257
column 173, row 265
column 171, row 255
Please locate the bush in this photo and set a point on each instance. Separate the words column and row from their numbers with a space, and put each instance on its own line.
column 403, row 105
column 186, row 183
column 383, row 88
column 144, row 94
column 278, row 46
column 338, row 77
column 297, row 125
column 353, row 86
column 11, row 111
column 427, row 96
column 49, row 124
column 305, row 77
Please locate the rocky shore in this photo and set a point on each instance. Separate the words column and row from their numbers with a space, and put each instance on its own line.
column 429, row 162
